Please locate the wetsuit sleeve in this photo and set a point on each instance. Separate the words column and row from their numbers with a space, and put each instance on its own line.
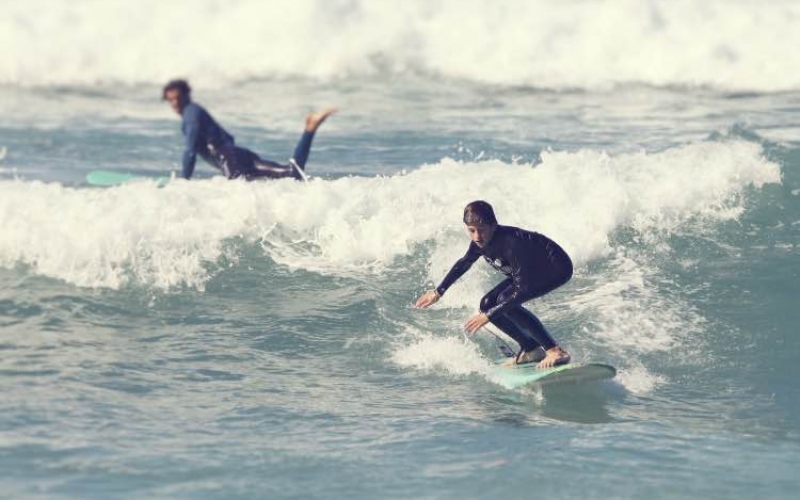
column 191, row 124
column 459, row 268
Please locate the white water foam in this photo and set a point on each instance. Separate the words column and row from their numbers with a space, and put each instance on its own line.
column 638, row 380
column 170, row 236
column 450, row 356
column 741, row 44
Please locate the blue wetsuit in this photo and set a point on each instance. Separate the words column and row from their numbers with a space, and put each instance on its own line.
column 534, row 265
column 205, row 137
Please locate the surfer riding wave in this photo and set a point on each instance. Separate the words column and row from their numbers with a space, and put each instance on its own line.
column 205, row 137
column 533, row 264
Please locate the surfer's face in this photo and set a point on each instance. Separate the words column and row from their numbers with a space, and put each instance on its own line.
column 177, row 100
column 481, row 234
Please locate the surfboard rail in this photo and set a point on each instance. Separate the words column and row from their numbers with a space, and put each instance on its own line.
column 113, row 178
column 527, row 374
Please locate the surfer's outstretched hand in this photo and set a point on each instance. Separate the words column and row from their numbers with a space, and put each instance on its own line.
column 427, row 300
column 475, row 322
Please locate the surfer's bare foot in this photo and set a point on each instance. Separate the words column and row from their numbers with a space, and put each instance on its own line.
column 314, row 120
column 553, row 357
column 526, row 357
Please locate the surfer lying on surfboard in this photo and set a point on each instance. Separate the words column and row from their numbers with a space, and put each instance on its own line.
column 534, row 265
column 204, row 136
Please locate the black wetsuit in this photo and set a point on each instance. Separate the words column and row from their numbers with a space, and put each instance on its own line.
column 205, row 137
column 534, row 265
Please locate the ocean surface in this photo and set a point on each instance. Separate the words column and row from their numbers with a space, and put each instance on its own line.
column 214, row 339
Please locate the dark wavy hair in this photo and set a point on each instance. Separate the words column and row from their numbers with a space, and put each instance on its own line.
column 479, row 212
column 180, row 85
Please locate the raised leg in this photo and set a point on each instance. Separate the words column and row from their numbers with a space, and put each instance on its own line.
column 303, row 148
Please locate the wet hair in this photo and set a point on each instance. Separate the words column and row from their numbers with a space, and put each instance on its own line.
column 479, row 213
column 180, row 85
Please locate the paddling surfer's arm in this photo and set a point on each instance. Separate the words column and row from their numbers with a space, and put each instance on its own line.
column 461, row 266
column 191, row 129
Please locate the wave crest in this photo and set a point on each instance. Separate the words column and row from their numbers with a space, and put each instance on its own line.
column 178, row 234
column 736, row 45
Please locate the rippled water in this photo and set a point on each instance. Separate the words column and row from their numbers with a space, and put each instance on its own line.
column 216, row 339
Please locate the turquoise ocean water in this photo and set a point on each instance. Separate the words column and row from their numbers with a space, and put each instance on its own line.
column 218, row 339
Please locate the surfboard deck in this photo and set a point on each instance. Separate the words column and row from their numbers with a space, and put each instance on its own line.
column 527, row 374
column 112, row 178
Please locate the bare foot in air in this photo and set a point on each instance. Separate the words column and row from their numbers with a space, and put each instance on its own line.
column 314, row 120
column 553, row 357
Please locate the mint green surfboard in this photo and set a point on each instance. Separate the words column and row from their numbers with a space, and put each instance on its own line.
column 112, row 178
column 527, row 374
